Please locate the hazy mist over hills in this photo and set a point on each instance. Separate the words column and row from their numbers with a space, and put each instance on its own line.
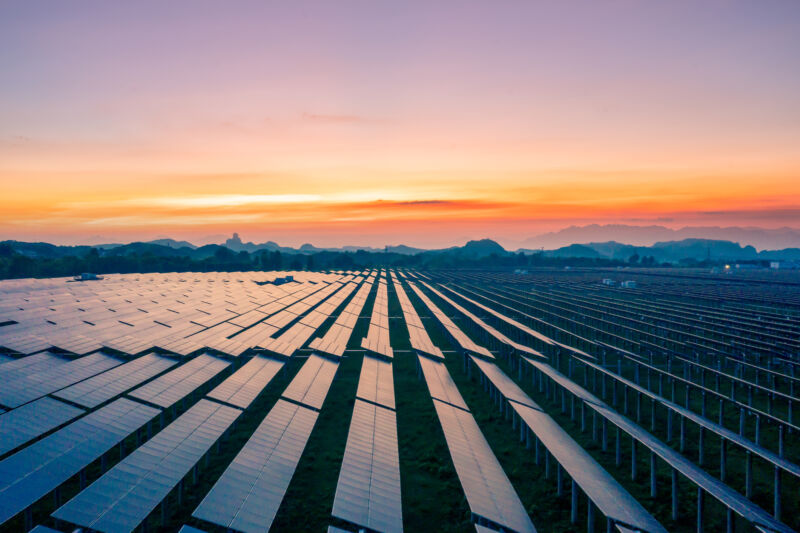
column 760, row 238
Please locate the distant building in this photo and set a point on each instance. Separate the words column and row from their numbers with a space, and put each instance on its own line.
column 784, row 265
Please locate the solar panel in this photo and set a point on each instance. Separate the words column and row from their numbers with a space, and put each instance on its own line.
column 487, row 488
column 600, row 487
column 190, row 529
column 368, row 490
column 179, row 383
column 440, row 385
column 22, row 390
column 483, row 325
column 123, row 497
column 30, row 364
column 247, row 495
column 33, row 472
column 311, row 383
column 33, row 419
column 377, row 339
column 103, row 387
column 376, row 382
column 43, row 529
column 244, row 385
column 507, row 386
column 420, row 340
column 335, row 340
column 455, row 332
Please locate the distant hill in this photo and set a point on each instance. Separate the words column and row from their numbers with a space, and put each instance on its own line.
column 473, row 249
column 575, row 250
column 44, row 249
column 403, row 249
column 763, row 239
column 668, row 251
column 140, row 248
column 672, row 251
column 170, row 243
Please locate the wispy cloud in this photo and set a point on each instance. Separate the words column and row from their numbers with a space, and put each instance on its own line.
column 329, row 118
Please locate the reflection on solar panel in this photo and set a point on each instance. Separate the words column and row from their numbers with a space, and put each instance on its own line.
column 244, row 385
column 420, row 340
column 33, row 419
column 299, row 333
column 249, row 492
column 455, row 332
column 483, row 325
column 376, row 383
column 335, row 340
column 32, row 386
column 123, row 497
column 134, row 313
column 103, row 387
column 440, row 385
column 487, row 488
column 368, row 491
column 176, row 384
column 31, row 364
column 311, row 384
column 377, row 339
column 545, row 339
column 33, row 472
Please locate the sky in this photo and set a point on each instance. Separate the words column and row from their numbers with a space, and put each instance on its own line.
column 375, row 122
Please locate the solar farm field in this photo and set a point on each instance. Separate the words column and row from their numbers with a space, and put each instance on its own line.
column 399, row 400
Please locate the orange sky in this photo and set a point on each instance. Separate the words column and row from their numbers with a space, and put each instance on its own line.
column 372, row 126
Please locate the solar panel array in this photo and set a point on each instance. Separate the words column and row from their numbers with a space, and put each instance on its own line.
column 310, row 386
column 663, row 366
column 123, row 497
column 368, row 491
column 180, row 382
column 133, row 313
column 335, row 340
column 32, row 420
column 24, row 389
column 462, row 339
column 242, row 387
column 486, row 486
column 35, row 471
column 247, row 495
column 107, row 385
column 377, row 339
column 420, row 340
